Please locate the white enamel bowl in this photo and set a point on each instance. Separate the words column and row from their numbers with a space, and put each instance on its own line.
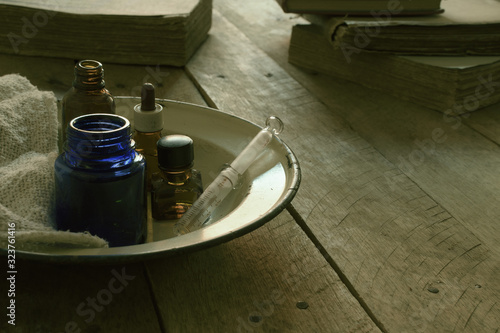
column 268, row 187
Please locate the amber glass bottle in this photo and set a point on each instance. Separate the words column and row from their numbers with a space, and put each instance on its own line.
column 177, row 186
column 148, row 119
column 88, row 94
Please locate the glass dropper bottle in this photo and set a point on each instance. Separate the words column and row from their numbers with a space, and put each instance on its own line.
column 148, row 123
column 177, row 185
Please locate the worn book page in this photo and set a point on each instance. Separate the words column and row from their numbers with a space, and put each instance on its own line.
column 454, row 62
column 456, row 12
column 465, row 28
column 111, row 7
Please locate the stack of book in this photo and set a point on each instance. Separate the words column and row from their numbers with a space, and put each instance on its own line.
column 146, row 32
column 448, row 61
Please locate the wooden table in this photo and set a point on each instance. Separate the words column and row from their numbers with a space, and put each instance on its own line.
column 390, row 231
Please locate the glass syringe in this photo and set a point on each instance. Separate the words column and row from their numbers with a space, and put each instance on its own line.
column 201, row 210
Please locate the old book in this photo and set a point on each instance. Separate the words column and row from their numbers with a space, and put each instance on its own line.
column 465, row 27
column 361, row 7
column 121, row 31
column 453, row 85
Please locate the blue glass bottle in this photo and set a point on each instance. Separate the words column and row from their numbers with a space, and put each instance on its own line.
column 99, row 181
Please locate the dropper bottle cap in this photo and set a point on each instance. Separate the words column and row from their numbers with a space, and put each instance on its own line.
column 175, row 152
column 148, row 115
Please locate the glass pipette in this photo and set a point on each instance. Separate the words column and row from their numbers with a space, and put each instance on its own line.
column 201, row 210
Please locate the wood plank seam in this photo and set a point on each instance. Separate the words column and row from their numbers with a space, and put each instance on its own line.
column 149, row 283
column 200, row 89
column 492, row 140
column 404, row 284
column 303, row 225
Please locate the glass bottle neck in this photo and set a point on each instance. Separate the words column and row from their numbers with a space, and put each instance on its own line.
column 99, row 141
column 89, row 75
column 176, row 178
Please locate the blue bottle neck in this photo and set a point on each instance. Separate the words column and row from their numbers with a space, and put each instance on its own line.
column 99, row 141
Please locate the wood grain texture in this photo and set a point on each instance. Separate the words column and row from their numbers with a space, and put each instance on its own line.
column 454, row 159
column 49, row 74
column 412, row 261
column 56, row 75
column 170, row 82
column 74, row 298
column 271, row 280
column 487, row 122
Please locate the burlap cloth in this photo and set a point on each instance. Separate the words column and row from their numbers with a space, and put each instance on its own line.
column 28, row 148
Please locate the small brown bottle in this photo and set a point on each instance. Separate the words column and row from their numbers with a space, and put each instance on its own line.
column 148, row 123
column 177, row 186
column 88, row 94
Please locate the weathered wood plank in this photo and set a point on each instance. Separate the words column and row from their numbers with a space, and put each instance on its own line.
column 454, row 164
column 75, row 298
column 56, row 75
column 170, row 82
column 49, row 74
column 393, row 243
column 255, row 18
column 271, row 280
column 487, row 121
